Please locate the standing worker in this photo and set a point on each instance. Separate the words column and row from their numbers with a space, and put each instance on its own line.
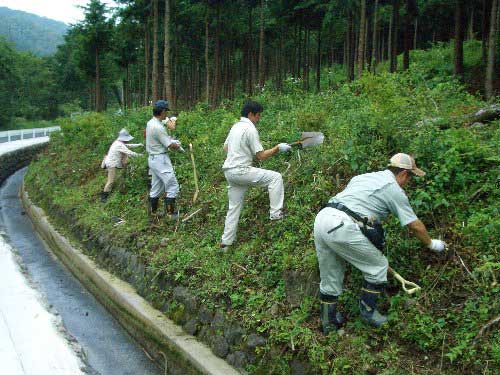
column 349, row 229
column 117, row 158
column 242, row 145
column 162, row 173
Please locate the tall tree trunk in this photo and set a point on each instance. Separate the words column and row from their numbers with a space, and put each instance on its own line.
column 147, row 73
column 382, row 45
column 490, row 68
column 410, row 16
column 459, row 39
column 389, row 37
column 352, row 47
column 155, row 78
column 306, row 61
column 166, row 54
column 318, row 62
column 470, row 27
column 299, row 54
column 207, row 61
column 98, row 99
column 261, row 46
column 250, row 53
column 361, row 45
column 217, row 75
column 394, row 37
column 415, row 34
column 485, row 26
column 374, row 59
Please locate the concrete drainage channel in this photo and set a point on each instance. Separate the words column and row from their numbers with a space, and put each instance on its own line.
column 174, row 350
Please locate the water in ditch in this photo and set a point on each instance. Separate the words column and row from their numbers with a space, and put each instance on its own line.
column 108, row 348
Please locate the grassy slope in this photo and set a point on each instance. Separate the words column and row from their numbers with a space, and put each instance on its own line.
column 364, row 124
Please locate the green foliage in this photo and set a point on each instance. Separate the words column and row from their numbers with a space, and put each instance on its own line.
column 364, row 123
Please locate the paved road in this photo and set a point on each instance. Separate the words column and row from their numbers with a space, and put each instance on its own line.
column 27, row 314
column 11, row 146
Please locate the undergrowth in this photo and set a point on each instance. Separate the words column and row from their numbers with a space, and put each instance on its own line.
column 364, row 124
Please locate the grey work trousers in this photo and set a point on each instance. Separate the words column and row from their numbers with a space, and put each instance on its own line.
column 162, row 176
column 346, row 243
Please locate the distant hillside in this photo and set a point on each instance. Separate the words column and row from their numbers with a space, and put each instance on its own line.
column 29, row 32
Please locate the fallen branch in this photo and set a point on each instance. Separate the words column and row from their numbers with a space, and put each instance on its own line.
column 463, row 264
column 191, row 215
column 195, row 174
column 487, row 326
column 240, row 266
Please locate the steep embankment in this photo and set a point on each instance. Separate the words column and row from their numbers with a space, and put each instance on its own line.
column 256, row 304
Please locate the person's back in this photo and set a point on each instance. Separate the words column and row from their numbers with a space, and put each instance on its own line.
column 376, row 195
column 242, row 144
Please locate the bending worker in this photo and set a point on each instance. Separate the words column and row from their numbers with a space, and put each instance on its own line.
column 348, row 229
column 117, row 158
column 242, row 145
column 162, row 173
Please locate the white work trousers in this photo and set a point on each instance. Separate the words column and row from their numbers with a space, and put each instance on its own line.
column 162, row 176
column 338, row 239
column 239, row 180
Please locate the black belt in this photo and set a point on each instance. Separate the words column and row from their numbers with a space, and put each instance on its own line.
column 341, row 207
column 374, row 232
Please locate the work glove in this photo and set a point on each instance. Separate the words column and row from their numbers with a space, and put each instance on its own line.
column 437, row 245
column 284, row 147
column 178, row 143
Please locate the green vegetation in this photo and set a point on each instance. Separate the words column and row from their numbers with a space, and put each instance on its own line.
column 364, row 123
column 31, row 33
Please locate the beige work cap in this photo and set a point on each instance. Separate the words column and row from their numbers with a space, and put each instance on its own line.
column 405, row 161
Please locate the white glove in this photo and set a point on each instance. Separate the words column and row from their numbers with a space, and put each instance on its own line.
column 437, row 245
column 284, row 147
column 178, row 143
column 174, row 119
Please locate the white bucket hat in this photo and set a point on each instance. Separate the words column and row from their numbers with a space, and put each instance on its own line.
column 124, row 136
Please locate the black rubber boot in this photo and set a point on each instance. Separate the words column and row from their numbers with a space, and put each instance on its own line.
column 104, row 196
column 368, row 304
column 170, row 211
column 331, row 319
column 153, row 205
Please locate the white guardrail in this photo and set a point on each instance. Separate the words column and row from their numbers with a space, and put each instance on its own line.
column 16, row 135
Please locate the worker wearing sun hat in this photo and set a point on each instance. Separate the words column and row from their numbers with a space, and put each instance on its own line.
column 116, row 158
column 349, row 230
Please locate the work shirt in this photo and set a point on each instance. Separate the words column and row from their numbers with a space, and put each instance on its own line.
column 376, row 195
column 116, row 153
column 157, row 138
column 242, row 143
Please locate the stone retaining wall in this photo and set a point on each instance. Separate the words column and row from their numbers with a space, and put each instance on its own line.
column 17, row 159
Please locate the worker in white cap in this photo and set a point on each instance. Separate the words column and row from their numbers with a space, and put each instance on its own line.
column 117, row 158
column 242, row 146
column 349, row 230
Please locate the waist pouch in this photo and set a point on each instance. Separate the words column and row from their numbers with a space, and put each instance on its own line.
column 373, row 231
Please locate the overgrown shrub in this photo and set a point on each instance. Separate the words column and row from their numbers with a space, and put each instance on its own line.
column 364, row 123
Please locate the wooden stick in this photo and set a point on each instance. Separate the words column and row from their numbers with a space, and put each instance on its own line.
column 191, row 215
column 195, row 174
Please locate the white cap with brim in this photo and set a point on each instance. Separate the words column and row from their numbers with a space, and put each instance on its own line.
column 124, row 136
column 405, row 161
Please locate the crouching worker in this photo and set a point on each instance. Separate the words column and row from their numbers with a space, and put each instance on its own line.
column 162, row 173
column 242, row 145
column 348, row 229
column 117, row 158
